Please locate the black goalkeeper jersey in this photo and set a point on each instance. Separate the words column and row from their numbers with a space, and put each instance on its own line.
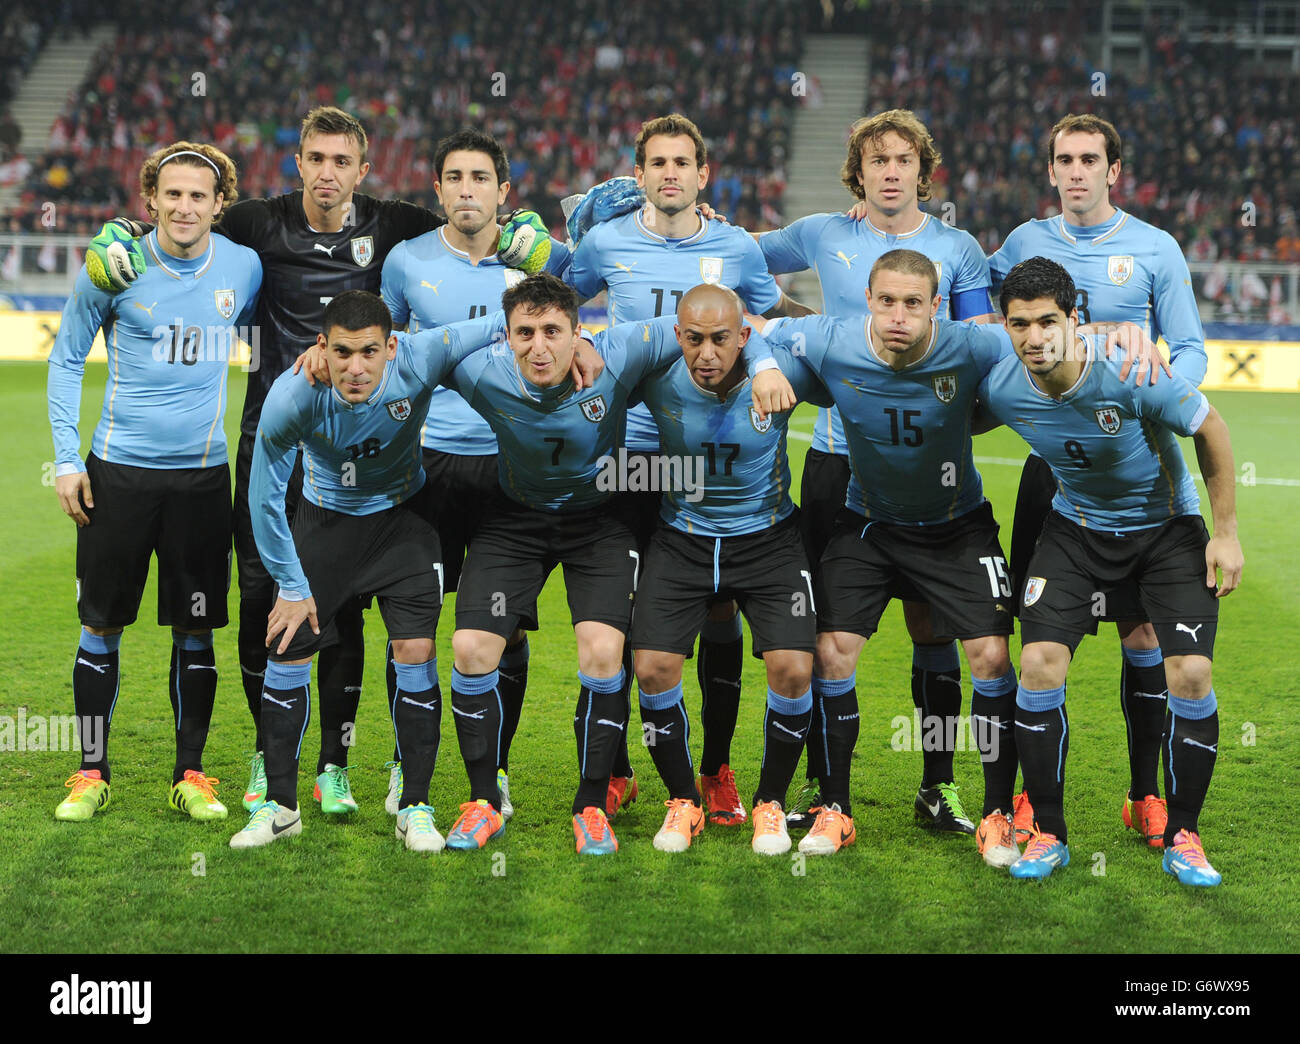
column 302, row 269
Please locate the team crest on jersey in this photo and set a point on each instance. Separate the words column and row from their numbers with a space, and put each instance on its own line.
column 711, row 269
column 594, row 409
column 761, row 426
column 363, row 250
column 1034, row 590
column 1120, row 268
column 945, row 387
column 515, row 276
column 225, row 302
column 938, row 272
column 399, row 410
column 1109, row 420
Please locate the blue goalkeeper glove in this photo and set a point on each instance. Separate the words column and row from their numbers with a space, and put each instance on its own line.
column 525, row 242
column 604, row 202
column 115, row 258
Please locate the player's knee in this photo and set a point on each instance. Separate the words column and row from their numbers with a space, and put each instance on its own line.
column 988, row 657
column 1043, row 665
column 413, row 650
column 917, row 617
column 1137, row 634
column 837, row 654
column 600, row 650
column 1189, row 677
column 657, row 671
column 476, row 652
column 102, row 632
column 789, row 673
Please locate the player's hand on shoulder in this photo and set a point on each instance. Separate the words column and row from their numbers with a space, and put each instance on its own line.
column 858, row 212
column 603, row 202
column 115, row 258
column 313, row 365
column 709, row 214
column 1137, row 347
column 73, row 491
column 1224, row 552
column 587, row 365
column 772, row 393
column 525, row 242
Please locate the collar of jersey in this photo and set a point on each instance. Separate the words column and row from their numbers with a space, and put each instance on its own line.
column 929, row 349
column 925, row 220
column 1073, row 389
column 1108, row 229
column 462, row 255
column 374, row 395
column 692, row 238
column 713, row 397
column 180, row 267
column 547, row 397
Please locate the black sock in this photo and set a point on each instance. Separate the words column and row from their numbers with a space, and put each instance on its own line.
column 476, row 710
column 622, row 765
column 286, row 710
column 338, row 677
column 253, row 612
column 838, row 720
column 599, row 724
column 390, row 679
column 993, row 721
column 417, row 722
column 785, row 728
column 95, row 676
column 193, row 691
column 667, row 735
column 1142, row 696
column 717, row 666
column 936, row 691
column 1043, row 741
column 1191, row 748
column 512, row 681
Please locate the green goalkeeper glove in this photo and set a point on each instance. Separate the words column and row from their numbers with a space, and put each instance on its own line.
column 115, row 257
column 525, row 242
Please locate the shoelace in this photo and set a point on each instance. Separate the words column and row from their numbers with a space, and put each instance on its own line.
column 80, row 783
column 593, row 822
column 677, row 811
column 475, row 816
column 948, row 795
column 1039, row 846
column 727, row 788
column 337, row 780
column 419, row 817
column 265, row 812
column 1153, row 809
column 769, row 818
column 205, row 784
column 1190, row 848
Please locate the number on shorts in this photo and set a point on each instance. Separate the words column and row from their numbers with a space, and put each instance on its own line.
column 999, row 580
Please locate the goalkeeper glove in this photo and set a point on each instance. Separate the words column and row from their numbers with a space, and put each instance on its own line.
column 115, row 257
column 525, row 242
column 604, row 202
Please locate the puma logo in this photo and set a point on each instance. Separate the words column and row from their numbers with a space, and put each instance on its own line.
column 432, row 286
column 1190, row 630
column 327, row 251
column 477, row 715
column 98, row 668
column 789, row 732
column 286, row 704
column 848, row 261
column 431, row 705
column 148, row 311
column 626, row 268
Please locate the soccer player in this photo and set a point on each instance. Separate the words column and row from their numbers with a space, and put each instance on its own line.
column 441, row 277
column 889, row 167
column 315, row 243
column 647, row 260
column 157, row 478
column 731, row 533
column 905, row 381
column 553, row 509
column 1126, row 515
column 1123, row 269
column 361, row 529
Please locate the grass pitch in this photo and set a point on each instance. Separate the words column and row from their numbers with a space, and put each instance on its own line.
column 141, row 878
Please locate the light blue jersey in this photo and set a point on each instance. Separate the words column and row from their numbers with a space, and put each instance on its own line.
column 428, row 282
column 552, row 440
column 841, row 251
column 745, row 481
column 170, row 337
column 908, row 431
column 357, row 458
column 1123, row 270
column 647, row 274
column 1111, row 444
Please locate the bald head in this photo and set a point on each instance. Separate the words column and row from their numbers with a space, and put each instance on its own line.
column 712, row 332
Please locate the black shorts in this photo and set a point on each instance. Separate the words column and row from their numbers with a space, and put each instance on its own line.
column 1075, row 572
column 957, row 567
column 765, row 572
column 1033, row 505
column 516, row 548
column 822, row 490
column 182, row 514
column 254, row 580
column 460, row 487
column 641, row 509
column 391, row 555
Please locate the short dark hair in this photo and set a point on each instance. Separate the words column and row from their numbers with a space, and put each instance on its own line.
column 357, row 310
column 471, row 140
column 327, row 119
column 1035, row 278
column 908, row 262
column 540, row 292
column 1086, row 123
column 674, row 125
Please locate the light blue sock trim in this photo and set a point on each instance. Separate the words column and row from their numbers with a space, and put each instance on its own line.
column 1143, row 657
column 661, row 700
column 786, row 705
column 602, row 684
column 416, row 677
column 515, row 656
column 828, row 688
column 287, row 675
column 473, row 684
column 1194, row 710
column 192, row 642
column 1040, row 700
column 100, row 644
column 936, row 657
column 722, row 631
column 994, row 687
